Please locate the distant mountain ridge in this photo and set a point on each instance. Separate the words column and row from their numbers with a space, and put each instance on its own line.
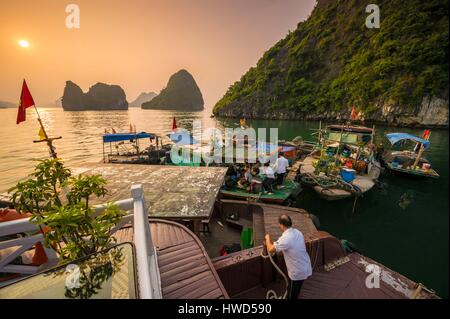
column 181, row 93
column 6, row 104
column 142, row 98
column 397, row 74
column 100, row 96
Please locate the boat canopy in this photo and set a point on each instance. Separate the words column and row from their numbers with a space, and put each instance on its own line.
column 117, row 137
column 280, row 148
column 394, row 138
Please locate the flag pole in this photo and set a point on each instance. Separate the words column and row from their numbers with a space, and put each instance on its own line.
column 40, row 122
column 46, row 139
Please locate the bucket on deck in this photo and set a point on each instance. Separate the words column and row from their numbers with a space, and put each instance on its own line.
column 348, row 174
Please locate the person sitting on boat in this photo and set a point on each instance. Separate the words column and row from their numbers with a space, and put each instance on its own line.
column 280, row 168
column 292, row 245
column 268, row 177
column 246, row 178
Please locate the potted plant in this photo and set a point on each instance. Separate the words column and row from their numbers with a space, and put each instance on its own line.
column 59, row 206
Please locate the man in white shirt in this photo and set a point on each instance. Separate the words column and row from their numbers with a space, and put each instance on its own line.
column 292, row 244
column 281, row 166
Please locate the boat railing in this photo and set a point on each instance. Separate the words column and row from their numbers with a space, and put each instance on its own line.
column 149, row 281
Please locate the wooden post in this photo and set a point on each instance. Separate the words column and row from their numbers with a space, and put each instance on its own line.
column 422, row 149
column 416, row 162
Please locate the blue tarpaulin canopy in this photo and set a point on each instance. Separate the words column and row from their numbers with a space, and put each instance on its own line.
column 117, row 137
column 394, row 138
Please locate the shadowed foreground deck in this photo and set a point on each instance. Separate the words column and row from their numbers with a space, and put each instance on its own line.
column 263, row 218
column 346, row 281
column 336, row 274
column 185, row 268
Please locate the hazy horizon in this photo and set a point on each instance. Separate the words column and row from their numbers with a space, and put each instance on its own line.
column 138, row 44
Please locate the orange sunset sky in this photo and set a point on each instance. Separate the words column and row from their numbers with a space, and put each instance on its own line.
column 138, row 44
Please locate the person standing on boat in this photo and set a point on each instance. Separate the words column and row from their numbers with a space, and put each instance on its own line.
column 281, row 166
column 292, row 245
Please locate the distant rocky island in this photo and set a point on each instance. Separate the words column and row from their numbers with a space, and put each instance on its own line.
column 181, row 93
column 5, row 104
column 142, row 98
column 100, row 96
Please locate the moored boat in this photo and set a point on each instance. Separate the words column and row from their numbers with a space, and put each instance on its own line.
column 345, row 164
column 125, row 148
column 409, row 162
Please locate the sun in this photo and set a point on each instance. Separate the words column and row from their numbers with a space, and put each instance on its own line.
column 24, row 43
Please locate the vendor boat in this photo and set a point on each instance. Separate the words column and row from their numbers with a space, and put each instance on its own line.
column 344, row 165
column 409, row 162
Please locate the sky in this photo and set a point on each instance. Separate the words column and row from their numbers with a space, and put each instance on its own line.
column 138, row 44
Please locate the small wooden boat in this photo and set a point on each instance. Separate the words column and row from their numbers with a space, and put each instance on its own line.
column 345, row 165
column 278, row 196
column 409, row 162
column 125, row 148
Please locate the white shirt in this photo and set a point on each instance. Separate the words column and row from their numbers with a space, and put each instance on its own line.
column 298, row 263
column 281, row 165
column 267, row 170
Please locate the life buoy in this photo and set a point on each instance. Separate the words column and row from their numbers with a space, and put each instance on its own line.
column 7, row 215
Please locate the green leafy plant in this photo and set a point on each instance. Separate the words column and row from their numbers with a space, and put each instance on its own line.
column 59, row 204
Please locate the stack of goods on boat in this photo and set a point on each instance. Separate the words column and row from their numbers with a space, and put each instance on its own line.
column 344, row 164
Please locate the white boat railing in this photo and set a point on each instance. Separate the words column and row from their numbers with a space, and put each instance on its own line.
column 149, row 280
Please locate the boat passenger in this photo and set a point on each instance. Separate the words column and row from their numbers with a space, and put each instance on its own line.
column 280, row 168
column 268, row 177
column 292, row 245
column 246, row 178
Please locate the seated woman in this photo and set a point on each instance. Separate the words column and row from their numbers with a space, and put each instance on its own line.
column 246, row 178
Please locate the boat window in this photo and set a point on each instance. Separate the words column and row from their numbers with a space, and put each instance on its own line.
column 109, row 274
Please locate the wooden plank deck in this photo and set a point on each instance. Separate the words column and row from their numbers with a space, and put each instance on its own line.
column 185, row 268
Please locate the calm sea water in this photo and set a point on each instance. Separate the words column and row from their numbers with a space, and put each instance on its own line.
column 404, row 225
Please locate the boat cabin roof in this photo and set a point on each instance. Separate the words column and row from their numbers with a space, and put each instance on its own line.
column 395, row 138
column 170, row 192
column 350, row 129
column 118, row 137
column 185, row 268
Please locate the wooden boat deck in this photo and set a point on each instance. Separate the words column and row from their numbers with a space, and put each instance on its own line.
column 346, row 281
column 414, row 172
column 363, row 182
column 263, row 218
column 336, row 274
column 185, row 268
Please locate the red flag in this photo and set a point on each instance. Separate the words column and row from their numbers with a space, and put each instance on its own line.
column 174, row 124
column 26, row 100
column 353, row 115
column 426, row 134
